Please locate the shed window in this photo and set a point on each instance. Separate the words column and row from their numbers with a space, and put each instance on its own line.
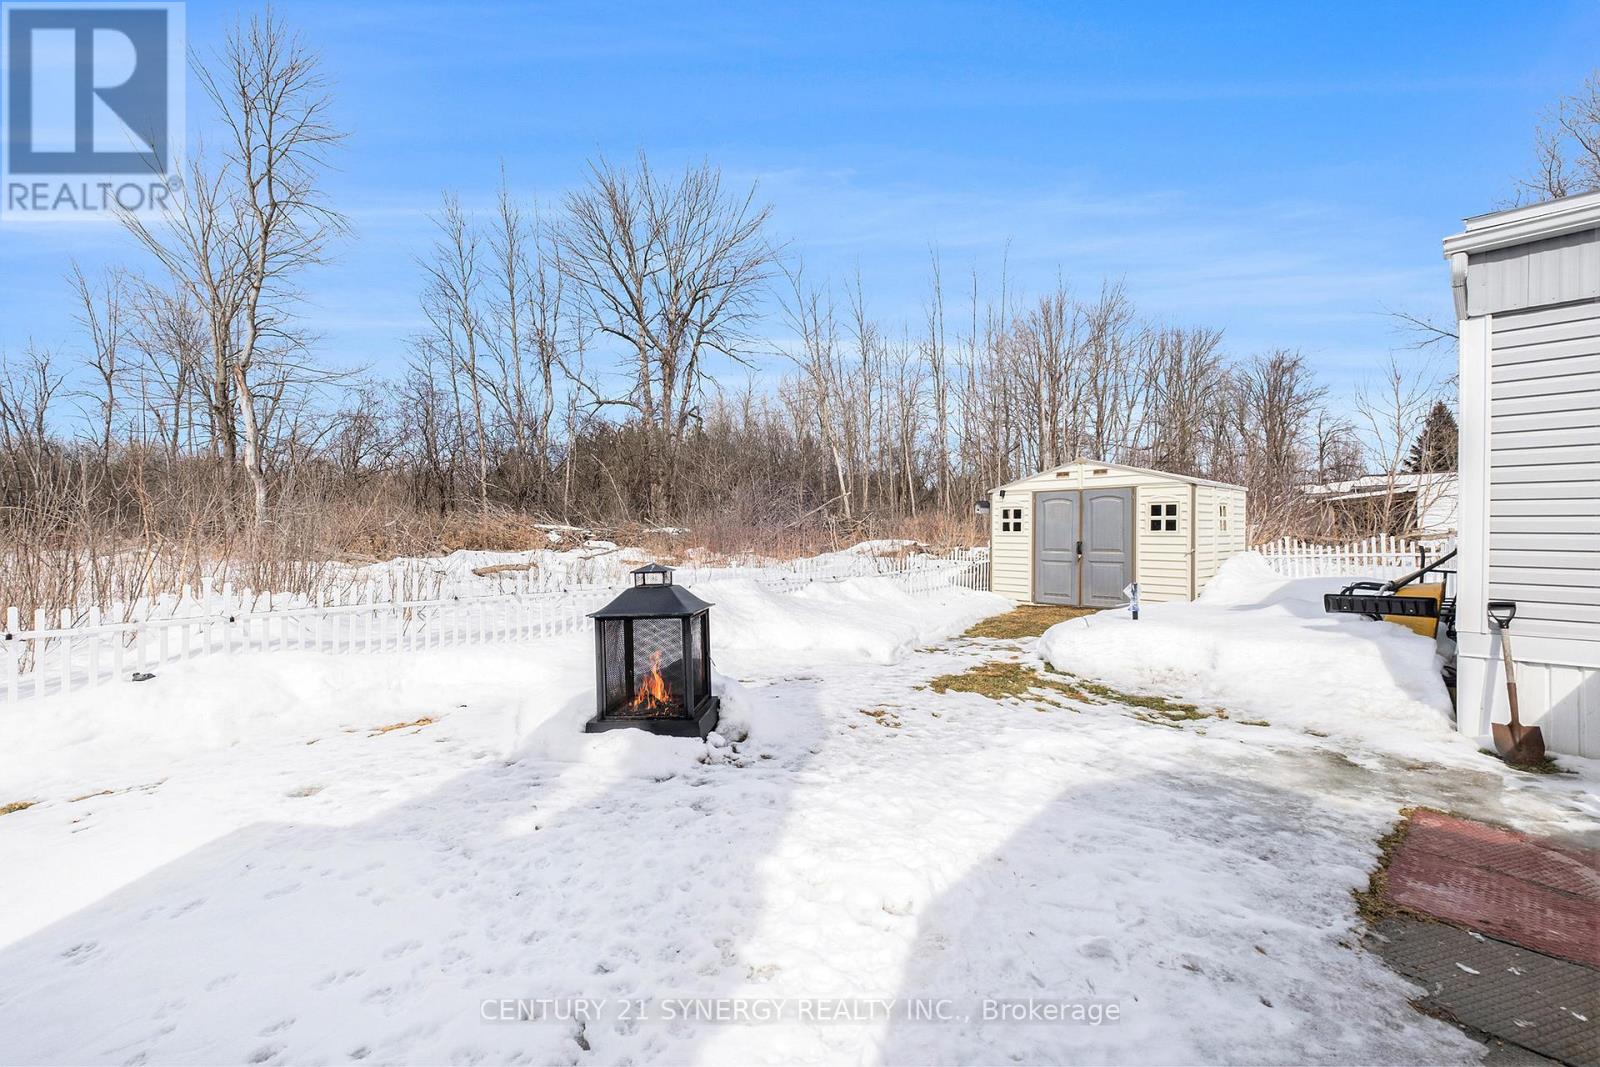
column 1163, row 518
column 1222, row 516
column 1010, row 520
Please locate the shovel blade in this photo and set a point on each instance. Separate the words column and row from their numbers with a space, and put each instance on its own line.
column 1518, row 744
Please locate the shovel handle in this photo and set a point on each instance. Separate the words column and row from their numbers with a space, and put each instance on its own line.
column 1511, row 679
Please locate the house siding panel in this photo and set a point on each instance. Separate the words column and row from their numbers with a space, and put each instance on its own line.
column 1536, row 274
column 1544, row 468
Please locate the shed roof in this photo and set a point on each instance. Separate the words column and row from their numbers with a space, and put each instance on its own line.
column 1085, row 462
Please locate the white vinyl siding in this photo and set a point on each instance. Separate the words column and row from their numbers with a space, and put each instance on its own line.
column 1219, row 531
column 1163, row 555
column 1544, row 468
column 1537, row 274
column 1011, row 555
column 1527, row 289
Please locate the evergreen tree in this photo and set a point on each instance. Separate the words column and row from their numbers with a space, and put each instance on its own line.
column 1435, row 447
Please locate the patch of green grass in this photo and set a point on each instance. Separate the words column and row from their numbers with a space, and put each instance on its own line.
column 1002, row 680
column 1029, row 620
column 16, row 806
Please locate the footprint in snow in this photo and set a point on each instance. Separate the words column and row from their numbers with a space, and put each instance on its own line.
column 394, row 952
column 81, row 951
column 338, row 978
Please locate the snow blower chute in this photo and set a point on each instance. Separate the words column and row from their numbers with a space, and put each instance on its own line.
column 1410, row 602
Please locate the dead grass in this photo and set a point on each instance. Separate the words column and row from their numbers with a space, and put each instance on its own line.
column 1155, row 709
column 1370, row 902
column 145, row 788
column 1029, row 620
column 884, row 716
column 1548, row 765
column 1004, row 680
column 501, row 568
column 1010, row 680
column 16, row 806
column 418, row 723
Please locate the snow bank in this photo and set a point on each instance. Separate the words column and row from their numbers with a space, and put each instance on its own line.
column 126, row 731
column 1261, row 646
column 869, row 619
column 518, row 699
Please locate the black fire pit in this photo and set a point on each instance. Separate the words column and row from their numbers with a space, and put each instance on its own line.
column 652, row 659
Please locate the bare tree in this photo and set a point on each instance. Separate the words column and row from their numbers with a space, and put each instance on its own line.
column 1567, row 146
column 526, row 334
column 671, row 270
column 251, row 224
column 1392, row 408
column 1184, row 378
column 939, row 376
column 169, row 337
column 452, row 304
column 102, row 312
column 1279, row 402
column 816, row 399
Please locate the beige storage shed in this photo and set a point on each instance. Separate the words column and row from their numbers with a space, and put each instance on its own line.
column 1078, row 534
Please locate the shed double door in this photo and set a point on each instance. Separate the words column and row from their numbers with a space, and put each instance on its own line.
column 1083, row 547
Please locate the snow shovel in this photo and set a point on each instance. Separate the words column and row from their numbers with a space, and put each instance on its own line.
column 1516, row 743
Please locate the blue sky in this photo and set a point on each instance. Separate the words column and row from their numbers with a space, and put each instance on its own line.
column 1283, row 171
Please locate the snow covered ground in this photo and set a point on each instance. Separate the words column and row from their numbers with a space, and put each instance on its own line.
column 595, row 562
column 1262, row 646
column 288, row 857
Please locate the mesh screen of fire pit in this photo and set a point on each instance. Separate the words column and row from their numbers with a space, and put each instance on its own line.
column 654, row 694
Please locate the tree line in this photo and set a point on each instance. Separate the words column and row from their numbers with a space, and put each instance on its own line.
column 641, row 354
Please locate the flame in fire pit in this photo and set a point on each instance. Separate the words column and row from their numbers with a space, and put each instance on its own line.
column 653, row 694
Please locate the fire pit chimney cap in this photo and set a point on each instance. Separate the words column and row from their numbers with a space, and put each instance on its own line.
column 652, row 574
column 652, row 596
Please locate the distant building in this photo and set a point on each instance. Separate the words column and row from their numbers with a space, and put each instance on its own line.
column 1423, row 506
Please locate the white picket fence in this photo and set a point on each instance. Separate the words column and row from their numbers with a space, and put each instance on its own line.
column 74, row 653
column 1376, row 557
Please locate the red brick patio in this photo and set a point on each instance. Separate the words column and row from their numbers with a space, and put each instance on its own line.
column 1505, row 884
